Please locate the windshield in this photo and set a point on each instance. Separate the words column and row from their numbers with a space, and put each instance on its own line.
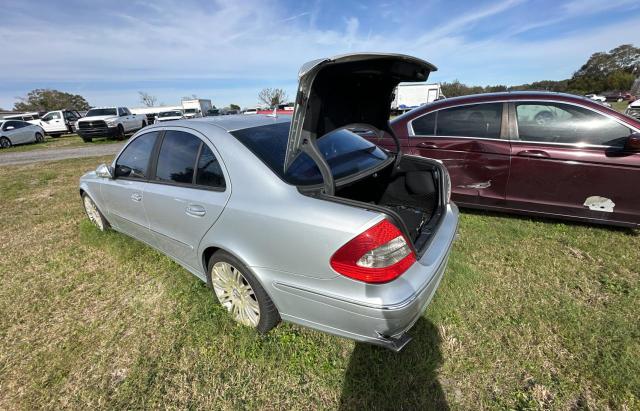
column 347, row 153
column 170, row 114
column 101, row 112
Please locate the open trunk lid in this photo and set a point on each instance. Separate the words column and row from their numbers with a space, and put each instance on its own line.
column 346, row 90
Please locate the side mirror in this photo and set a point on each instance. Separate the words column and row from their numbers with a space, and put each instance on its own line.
column 104, row 171
column 633, row 142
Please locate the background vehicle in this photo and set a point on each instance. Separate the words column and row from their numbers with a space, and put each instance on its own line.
column 250, row 111
column 33, row 117
column 152, row 112
column 348, row 239
column 409, row 96
column 110, row 122
column 58, row 122
column 545, row 154
column 13, row 132
column 633, row 110
column 596, row 97
column 619, row 96
column 169, row 115
column 196, row 107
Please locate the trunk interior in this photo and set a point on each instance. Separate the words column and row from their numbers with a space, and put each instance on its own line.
column 410, row 190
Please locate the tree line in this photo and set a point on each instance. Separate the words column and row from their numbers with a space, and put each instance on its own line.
column 615, row 70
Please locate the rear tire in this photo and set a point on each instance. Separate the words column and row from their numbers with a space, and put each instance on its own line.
column 5, row 142
column 237, row 290
column 87, row 139
column 93, row 213
column 39, row 138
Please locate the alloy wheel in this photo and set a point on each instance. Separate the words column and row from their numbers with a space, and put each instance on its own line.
column 5, row 143
column 235, row 293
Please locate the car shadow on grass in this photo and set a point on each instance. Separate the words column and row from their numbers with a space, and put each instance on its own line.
column 377, row 378
column 549, row 220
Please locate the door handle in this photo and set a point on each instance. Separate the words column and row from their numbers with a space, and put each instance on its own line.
column 534, row 153
column 427, row 145
column 196, row 211
column 136, row 197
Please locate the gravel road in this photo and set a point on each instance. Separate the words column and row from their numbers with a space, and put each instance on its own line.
column 54, row 154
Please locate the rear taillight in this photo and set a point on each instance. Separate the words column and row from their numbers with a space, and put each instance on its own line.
column 380, row 254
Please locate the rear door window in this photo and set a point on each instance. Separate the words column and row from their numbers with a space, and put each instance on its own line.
column 568, row 124
column 476, row 120
column 177, row 157
column 133, row 162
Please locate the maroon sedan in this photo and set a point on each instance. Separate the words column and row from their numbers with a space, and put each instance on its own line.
column 544, row 154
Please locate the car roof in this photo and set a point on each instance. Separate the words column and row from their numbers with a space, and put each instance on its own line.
column 240, row 121
column 516, row 95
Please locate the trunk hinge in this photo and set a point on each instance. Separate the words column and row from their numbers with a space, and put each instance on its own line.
column 310, row 147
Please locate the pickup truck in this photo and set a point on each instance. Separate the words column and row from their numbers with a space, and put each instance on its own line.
column 109, row 122
column 58, row 122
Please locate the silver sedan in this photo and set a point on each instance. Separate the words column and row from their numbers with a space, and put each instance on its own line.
column 293, row 218
column 13, row 132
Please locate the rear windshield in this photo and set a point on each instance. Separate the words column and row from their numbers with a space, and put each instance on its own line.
column 347, row 153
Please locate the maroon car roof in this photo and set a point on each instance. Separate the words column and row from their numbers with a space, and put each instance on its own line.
column 512, row 96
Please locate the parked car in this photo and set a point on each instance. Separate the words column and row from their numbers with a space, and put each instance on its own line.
column 250, row 111
column 308, row 223
column 170, row 115
column 633, row 110
column 596, row 97
column 544, row 154
column 14, row 132
column 32, row 118
column 619, row 96
column 109, row 122
column 58, row 122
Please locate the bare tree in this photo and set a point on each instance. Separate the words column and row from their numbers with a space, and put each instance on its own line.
column 147, row 99
column 272, row 96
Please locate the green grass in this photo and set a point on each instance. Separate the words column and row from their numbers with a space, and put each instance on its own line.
column 65, row 141
column 531, row 314
column 619, row 106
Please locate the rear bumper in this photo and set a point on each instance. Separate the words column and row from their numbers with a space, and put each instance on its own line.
column 374, row 313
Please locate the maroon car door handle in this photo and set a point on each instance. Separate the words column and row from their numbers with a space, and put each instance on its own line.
column 427, row 145
column 534, row 153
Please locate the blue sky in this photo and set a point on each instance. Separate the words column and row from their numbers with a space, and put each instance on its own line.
column 229, row 50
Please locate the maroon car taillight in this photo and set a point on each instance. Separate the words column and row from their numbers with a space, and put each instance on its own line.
column 378, row 255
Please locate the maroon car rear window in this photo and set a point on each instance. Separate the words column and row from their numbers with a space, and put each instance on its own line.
column 476, row 120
